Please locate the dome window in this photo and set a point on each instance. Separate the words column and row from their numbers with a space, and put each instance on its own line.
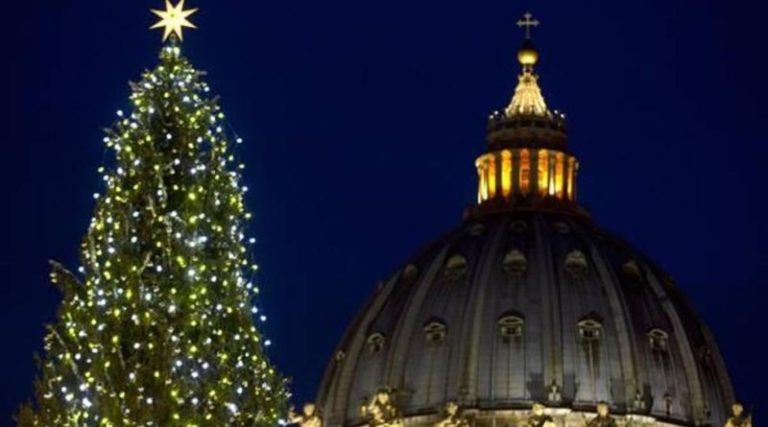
column 658, row 340
column 590, row 330
column 410, row 273
column 455, row 268
column 515, row 264
column 510, row 327
column 477, row 230
column 576, row 264
column 375, row 343
column 525, row 172
column 435, row 332
column 705, row 355
column 632, row 270
column 562, row 227
column 543, row 172
column 518, row 226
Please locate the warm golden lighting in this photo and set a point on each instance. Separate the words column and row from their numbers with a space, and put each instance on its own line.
column 480, row 183
column 173, row 19
column 527, row 99
column 523, row 160
column 543, row 172
column 506, row 172
column 482, row 191
column 559, row 175
column 571, row 176
column 491, row 162
column 528, row 57
column 525, row 172
column 555, row 174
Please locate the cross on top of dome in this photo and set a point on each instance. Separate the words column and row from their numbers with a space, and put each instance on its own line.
column 528, row 22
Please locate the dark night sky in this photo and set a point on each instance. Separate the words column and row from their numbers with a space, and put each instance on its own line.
column 362, row 120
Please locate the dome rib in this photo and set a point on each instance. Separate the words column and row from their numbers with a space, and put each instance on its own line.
column 619, row 311
column 410, row 320
column 549, row 358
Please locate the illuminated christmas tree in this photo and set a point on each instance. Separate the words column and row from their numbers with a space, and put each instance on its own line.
column 157, row 329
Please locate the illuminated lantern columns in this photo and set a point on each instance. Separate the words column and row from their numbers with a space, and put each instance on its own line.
column 527, row 162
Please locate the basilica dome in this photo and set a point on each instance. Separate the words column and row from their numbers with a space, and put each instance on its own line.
column 528, row 300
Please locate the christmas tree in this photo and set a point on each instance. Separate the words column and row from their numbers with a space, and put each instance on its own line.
column 157, row 328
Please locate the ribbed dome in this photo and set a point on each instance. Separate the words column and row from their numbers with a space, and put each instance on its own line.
column 504, row 307
column 527, row 300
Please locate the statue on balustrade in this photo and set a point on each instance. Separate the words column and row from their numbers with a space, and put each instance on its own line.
column 538, row 418
column 739, row 419
column 603, row 418
column 382, row 411
column 308, row 418
column 453, row 417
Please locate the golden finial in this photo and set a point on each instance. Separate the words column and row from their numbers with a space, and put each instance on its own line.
column 527, row 99
column 528, row 55
column 173, row 19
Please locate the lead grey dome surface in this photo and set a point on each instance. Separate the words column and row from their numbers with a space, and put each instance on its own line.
column 518, row 307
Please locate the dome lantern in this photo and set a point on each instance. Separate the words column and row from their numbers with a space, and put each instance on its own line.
column 527, row 164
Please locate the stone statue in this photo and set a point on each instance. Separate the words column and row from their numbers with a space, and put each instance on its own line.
column 382, row 410
column 308, row 418
column 739, row 419
column 639, row 403
column 539, row 418
column 668, row 401
column 603, row 418
column 453, row 417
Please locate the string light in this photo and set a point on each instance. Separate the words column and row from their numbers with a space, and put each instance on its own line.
column 161, row 318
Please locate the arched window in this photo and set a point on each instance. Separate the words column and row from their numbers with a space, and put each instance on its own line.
column 590, row 330
column 572, row 165
column 410, row 273
column 658, row 340
column 559, row 176
column 375, row 343
column 510, row 327
column 518, row 226
column 477, row 229
column 562, row 228
column 435, row 331
column 632, row 270
column 482, row 190
column 506, row 172
column 525, row 171
column 455, row 268
column 576, row 265
column 515, row 264
column 543, row 172
column 491, row 165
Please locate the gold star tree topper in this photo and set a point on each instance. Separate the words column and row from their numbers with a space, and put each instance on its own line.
column 174, row 19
